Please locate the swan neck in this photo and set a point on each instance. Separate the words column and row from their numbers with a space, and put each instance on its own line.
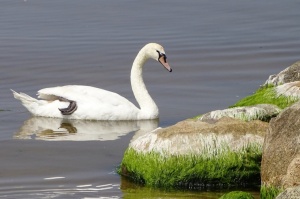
column 148, row 108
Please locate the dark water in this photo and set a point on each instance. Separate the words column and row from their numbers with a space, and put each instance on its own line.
column 219, row 52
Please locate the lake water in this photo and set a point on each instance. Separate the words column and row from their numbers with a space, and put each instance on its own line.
column 220, row 52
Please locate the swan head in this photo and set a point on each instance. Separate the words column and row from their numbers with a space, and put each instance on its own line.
column 157, row 52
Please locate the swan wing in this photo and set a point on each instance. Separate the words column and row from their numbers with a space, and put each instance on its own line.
column 92, row 103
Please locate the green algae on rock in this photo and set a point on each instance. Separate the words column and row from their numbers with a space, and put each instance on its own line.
column 195, row 154
column 230, row 168
column 266, row 95
column 237, row 195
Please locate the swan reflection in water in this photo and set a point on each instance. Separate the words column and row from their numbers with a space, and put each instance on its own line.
column 54, row 129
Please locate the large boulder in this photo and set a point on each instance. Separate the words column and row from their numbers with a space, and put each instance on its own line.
column 194, row 153
column 290, row 74
column 195, row 137
column 281, row 151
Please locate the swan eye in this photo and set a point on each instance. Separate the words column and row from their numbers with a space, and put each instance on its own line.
column 162, row 55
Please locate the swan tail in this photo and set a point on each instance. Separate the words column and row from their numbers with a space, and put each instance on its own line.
column 29, row 102
column 24, row 98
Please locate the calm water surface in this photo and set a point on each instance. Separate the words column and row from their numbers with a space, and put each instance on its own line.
column 219, row 52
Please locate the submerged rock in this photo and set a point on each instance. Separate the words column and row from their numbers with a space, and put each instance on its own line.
column 237, row 195
column 290, row 74
column 262, row 112
column 280, row 166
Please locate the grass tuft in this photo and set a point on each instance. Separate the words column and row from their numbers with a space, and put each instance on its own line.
column 266, row 95
column 229, row 168
column 269, row 192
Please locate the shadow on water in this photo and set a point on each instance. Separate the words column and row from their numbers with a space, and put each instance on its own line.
column 54, row 129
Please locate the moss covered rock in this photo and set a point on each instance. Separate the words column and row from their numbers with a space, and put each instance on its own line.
column 237, row 195
column 266, row 95
column 193, row 172
column 197, row 154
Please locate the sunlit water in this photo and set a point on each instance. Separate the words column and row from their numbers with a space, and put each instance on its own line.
column 219, row 52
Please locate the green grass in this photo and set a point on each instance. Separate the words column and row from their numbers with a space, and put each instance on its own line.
column 269, row 192
column 228, row 168
column 266, row 95
column 237, row 195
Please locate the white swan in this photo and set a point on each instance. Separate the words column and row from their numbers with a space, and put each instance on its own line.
column 90, row 103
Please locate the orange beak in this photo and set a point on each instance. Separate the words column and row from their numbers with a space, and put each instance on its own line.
column 164, row 62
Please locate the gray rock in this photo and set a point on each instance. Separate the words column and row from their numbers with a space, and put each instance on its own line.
column 262, row 112
column 290, row 74
column 280, row 165
column 290, row 193
column 198, row 137
column 289, row 90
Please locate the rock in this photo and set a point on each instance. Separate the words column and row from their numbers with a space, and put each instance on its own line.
column 196, row 137
column 290, row 90
column 237, row 195
column 292, row 176
column 262, row 112
column 280, row 166
column 290, row 74
column 290, row 193
column 193, row 154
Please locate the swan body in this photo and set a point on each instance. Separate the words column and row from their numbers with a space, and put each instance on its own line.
column 90, row 103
